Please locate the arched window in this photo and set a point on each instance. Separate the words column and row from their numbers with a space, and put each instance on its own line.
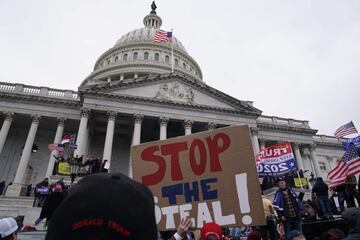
column 157, row 56
column 135, row 56
column 116, row 58
column 125, row 57
column 108, row 61
column 184, row 65
column 176, row 62
column 167, row 59
column 146, row 55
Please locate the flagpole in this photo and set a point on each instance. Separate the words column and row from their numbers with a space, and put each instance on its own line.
column 300, row 180
column 172, row 51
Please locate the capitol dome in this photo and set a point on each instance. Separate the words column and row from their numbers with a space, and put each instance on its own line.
column 136, row 54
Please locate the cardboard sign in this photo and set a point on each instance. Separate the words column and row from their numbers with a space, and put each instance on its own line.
column 209, row 176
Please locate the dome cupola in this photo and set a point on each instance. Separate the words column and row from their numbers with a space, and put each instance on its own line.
column 152, row 20
column 136, row 54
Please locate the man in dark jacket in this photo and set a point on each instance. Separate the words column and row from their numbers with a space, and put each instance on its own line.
column 288, row 206
column 321, row 190
column 51, row 203
column 41, row 192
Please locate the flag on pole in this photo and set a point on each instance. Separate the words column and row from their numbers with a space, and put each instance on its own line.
column 68, row 138
column 345, row 130
column 54, row 146
column 163, row 36
column 348, row 166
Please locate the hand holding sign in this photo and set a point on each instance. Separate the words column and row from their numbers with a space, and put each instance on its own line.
column 203, row 177
column 184, row 226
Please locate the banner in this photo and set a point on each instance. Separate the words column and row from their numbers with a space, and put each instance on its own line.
column 303, row 182
column 209, row 176
column 64, row 168
column 355, row 141
column 276, row 160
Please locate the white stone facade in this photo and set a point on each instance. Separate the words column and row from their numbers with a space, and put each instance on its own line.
column 132, row 101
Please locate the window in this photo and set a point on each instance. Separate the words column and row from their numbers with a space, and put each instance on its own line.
column 176, row 62
column 184, row 65
column 146, row 55
column 125, row 57
column 322, row 166
column 108, row 61
column 167, row 59
column 157, row 57
column 116, row 58
column 135, row 56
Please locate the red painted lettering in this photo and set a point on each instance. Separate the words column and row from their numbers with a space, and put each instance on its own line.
column 215, row 149
column 173, row 149
column 198, row 168
column 149, row 155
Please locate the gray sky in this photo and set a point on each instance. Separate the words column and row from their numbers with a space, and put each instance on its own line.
column 297, row 59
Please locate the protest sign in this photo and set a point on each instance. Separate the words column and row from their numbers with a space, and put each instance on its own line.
column 209, row 176
column 276, row 160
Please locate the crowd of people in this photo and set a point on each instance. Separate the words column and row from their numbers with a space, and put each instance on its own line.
column 91, row 164
column 80, row 210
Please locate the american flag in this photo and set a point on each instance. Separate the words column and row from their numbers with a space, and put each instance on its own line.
column 68, row 138
column 348, row 166
column 54, row 146
column 162, row 36
column 344, row 130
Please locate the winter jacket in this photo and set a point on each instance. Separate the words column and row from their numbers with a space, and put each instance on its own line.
column 321, row 189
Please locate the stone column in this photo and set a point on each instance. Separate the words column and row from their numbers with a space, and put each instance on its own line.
column 15, row 189
column 315, row 160
column 255, row 139
column 58, row 137
column 137, row 129
column 262, row 144
column 299, row 161
column 163, row 127
column 81, row 140
column 211, row 125
column 188, row 126
column 5, row 128
column 109, row 136
column 136, row 136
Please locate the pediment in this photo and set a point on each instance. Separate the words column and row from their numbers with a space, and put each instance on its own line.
column 173, row 89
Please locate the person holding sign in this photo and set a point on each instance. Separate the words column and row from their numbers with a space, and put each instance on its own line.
column 288, row 206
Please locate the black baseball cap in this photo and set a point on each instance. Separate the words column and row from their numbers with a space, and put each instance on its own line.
column 105, row 206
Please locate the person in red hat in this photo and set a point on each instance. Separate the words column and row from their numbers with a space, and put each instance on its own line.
column 211, row 231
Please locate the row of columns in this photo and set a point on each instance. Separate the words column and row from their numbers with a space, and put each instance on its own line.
column 259, row 144
column 111, row 117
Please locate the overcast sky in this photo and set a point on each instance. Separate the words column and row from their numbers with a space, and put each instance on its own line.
column 295, row 59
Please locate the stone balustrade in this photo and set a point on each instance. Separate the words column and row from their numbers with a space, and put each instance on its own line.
column 283, row 121
column 327, row 139
column 40, row 91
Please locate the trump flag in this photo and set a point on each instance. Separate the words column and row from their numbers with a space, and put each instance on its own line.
column 276, row 160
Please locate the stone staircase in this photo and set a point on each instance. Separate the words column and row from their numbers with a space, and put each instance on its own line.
column 19, row 206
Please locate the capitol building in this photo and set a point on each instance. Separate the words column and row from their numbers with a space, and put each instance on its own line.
column 132, row 97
